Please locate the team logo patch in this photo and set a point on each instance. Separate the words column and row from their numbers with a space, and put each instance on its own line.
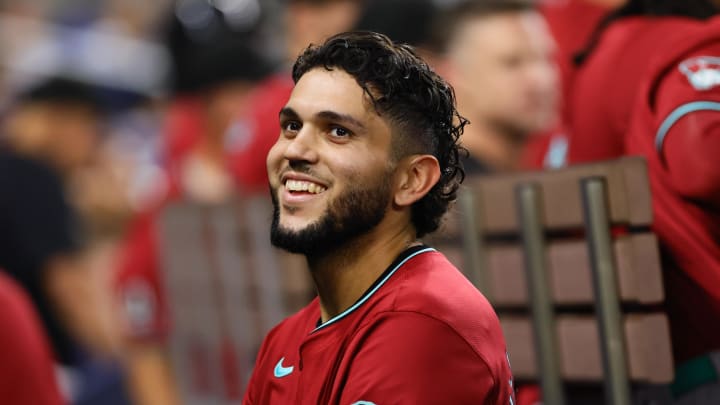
column 703, row 72
column 138, row 300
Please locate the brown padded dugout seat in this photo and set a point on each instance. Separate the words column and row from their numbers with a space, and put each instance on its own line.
column 580, row 360
column 637, row 261
column 482, row 236
column 226, row 286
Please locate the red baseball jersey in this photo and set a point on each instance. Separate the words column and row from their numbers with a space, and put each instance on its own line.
column 606, row 85
column 27, row 375
column 676, row 126
column 571, row 23
column 421, row 334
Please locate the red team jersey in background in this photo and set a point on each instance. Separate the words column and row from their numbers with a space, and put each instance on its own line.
column 247, row 163
column 571, row 22
column 605, row 86
column 676, row 126
column 27, row 375
column 421, row 334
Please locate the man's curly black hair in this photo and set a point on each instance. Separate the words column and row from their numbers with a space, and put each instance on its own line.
column 417, row 102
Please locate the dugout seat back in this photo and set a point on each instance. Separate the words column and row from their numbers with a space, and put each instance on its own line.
column 227, row 286
column 569, row 262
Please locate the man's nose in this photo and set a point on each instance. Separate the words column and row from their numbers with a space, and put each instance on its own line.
column 303, row 146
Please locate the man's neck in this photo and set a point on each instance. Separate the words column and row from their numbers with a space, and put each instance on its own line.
column 342, row 276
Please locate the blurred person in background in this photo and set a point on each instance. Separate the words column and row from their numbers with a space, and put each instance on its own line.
column 499, row 57
column 631, row 96
column 27, row 375
column 675, row 125
column 50, row 132
column 613, row 64
column 135, row 18
column 312, row 21
column 390, row 17
column 571, row 24
column 213, row 84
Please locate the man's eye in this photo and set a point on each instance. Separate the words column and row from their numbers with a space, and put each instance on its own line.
column 291, row 126
column 339, row 132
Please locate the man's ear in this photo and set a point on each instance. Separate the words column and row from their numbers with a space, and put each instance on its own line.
column 417, row 174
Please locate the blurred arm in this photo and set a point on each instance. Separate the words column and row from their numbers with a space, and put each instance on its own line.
column 688, row 130
column 691, row 155
column 150, row 375
column 144, row 316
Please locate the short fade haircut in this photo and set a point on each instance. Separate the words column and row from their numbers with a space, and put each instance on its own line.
column 417, row 102
column 450, row 20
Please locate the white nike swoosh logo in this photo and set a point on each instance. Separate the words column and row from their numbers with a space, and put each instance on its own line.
column 282, row 371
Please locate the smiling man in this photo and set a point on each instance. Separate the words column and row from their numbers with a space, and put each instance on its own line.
column 366, row 163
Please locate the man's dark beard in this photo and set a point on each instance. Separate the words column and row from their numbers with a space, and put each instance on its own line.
column 353, row 214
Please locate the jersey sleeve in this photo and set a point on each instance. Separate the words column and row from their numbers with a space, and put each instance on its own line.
column 688, row 126
column 27, row 375
column 410, row 358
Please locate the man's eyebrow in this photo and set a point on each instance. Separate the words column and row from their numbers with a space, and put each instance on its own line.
column 337, row 117
column 327, row 115
column 288, row 113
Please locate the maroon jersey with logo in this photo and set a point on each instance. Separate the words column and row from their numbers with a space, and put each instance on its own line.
column 606, row 85
column 422, row 334
column 676, row 126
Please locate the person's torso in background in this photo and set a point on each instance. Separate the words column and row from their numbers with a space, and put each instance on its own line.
column 29, row 189
column 688, row 228
column 606, row 85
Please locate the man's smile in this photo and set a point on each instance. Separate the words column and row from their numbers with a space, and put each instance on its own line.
column 299, row 186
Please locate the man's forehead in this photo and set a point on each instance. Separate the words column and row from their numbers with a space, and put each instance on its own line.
column 330, row 90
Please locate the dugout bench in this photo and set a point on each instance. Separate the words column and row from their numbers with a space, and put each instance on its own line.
column 569, row 263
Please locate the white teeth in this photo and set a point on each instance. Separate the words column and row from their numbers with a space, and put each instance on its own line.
column 298, row 185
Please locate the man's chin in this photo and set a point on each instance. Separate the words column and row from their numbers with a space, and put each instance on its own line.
column 293, row 241
column 293, row 236
column 294, row 224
